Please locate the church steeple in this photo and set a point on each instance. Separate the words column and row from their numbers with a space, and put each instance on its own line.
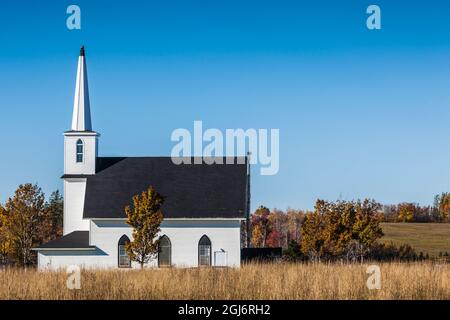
column 80, row 153
column 80, row 142
column 81, row 119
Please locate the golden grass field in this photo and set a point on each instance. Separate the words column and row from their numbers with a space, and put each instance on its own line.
column 430, row 238
column 421, row 280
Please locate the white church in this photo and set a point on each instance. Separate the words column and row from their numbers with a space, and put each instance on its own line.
column 205, row 204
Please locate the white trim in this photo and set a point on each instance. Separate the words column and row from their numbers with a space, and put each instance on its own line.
column 81, row 133
column 217, row 219
column 93, row 219
column 78, row 179
column 172, row 219
column 64, row 249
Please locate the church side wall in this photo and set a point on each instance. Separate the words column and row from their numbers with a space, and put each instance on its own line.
column 74, row 191
column 61, row 259
column 184, row 236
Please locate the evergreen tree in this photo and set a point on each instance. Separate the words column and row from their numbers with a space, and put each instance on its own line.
column 293, row 252
column 51, row 226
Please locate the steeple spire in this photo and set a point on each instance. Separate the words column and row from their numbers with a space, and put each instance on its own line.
column 81, row 119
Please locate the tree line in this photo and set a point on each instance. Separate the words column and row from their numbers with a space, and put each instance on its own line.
column 277, row 228
column 413, row 212
column 340, row 230
column 333, row 230
column 28, row 220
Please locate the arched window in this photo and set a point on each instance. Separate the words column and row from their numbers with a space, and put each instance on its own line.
column 164, row 252
column 204, row 251
column 123, row 258
column 79, row 150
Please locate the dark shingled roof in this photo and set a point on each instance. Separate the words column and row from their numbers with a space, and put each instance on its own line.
column 74, row 240
column 190, row 190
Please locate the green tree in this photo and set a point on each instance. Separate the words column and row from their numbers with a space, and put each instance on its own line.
column 293, row 252
column 145, row 216
column 51, row 225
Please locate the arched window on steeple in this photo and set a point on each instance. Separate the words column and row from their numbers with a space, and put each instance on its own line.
column 80, row 150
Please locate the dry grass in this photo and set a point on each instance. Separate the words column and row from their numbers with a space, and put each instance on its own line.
column 254, row 281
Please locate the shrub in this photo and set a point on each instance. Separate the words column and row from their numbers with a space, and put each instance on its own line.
column 293, row 252
column 390, row 252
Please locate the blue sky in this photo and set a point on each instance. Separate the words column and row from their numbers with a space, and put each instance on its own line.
column 361, row 113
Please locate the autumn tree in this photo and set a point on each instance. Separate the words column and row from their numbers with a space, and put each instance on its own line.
column 312, row 233
column 390, row 213
column 406, row 212
column 278, row 231
column 21, row 217
column 145, row 217
column 410, row 212
column 442, row 206
column 27, row 221
column 342, row 228
column 295, row 220
column 244, row 242
column 5, row 244
column 275, row 228
column 339, row 218
column 424, row 214
column 260, row 226
column 366, row 229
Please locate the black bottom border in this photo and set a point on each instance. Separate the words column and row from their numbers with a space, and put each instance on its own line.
column 225, row 309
